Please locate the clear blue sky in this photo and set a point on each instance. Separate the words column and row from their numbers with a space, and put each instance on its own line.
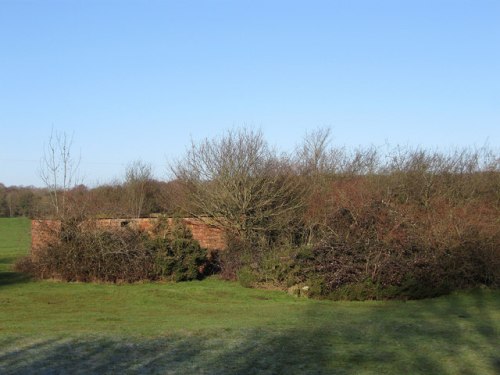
column 138, row 79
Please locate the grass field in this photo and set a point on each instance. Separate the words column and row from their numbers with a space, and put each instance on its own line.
column 216, row 327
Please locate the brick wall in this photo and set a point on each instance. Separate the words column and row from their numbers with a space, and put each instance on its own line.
column 43, row 232
column 209, row 236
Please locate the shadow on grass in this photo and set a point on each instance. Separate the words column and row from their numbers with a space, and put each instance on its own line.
column 11, row 278
column 249, row 352
column 455, row 334
column 8, row 277
column 447, row 336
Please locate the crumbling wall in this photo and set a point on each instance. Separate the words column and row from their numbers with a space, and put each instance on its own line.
column 209, row 236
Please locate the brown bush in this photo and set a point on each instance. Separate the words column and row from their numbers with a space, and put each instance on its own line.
column 83, row 253
column 415, row 247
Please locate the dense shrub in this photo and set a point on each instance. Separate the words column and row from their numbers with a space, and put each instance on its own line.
column 341, row 270
column 124, row 255
column 379, row 252
column 372, row 247
column 180, row 258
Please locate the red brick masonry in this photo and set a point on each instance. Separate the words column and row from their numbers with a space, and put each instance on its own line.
column 209, row 236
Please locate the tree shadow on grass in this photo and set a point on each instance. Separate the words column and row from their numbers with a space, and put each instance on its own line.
column 8, row 277
column 442, row 336
column 11, row 278
column 454, row 334
column 254, row 352
column 487, row 328
column 449, row 335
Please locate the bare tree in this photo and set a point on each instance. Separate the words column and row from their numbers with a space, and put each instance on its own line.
column 240, row 184
column 58, row 170
column 138, row 176
column 10, row 203
column 317, row 157
column 313, row 154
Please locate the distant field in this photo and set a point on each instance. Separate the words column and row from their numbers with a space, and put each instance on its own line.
column 14, row 240
column 216, row 327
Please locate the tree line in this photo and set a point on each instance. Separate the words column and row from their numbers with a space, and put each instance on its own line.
column 115, row 199
column 327, row 221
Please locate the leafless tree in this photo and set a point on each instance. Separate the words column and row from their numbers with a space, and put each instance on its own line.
column 316, row 157
column 313, row 154
column 239, row 183
column 10, row 203
column 58, row 170
column 137, row 177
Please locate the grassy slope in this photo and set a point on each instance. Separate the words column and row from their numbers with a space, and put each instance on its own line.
column 217, row 327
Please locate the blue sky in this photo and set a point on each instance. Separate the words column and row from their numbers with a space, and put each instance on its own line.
column 138, row 79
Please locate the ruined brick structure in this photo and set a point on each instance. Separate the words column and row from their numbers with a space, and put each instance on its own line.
column 209, row 236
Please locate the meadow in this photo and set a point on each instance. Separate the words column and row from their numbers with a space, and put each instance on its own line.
column 218, row 327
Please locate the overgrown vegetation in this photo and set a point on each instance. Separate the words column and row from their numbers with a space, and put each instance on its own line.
column 85, row 252
column 354, row 224
column 406, row 224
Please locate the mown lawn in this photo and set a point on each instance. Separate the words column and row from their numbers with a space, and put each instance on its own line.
column 216, row 327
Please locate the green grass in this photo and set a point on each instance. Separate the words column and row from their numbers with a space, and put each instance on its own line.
column 14, row 242
column 216, row 327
